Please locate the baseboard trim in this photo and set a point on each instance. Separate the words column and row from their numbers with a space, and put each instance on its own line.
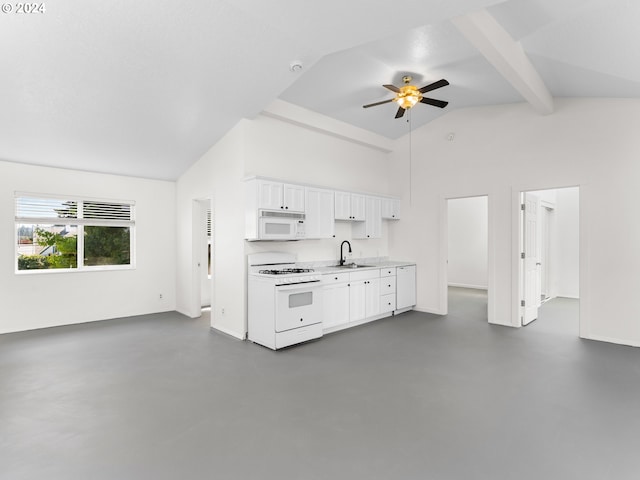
column 573, row 297
column 617, row 341
column 433, row 311
column 465, row 285
column 226, row 331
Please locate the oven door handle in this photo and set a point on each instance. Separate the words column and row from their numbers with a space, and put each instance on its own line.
column 298, row 286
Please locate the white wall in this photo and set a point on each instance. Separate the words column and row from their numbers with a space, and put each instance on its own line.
column 567, row 225
column 467, row 245
column 503, row 150
column 217, row 175
column 51, row 299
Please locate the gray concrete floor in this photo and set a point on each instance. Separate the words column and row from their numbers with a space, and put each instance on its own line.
column 415, row 396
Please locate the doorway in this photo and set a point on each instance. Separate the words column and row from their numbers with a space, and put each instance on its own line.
column 549, row 234
column 467, row 257
column 202, row 231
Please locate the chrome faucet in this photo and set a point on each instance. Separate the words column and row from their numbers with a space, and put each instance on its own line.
column 342, row 258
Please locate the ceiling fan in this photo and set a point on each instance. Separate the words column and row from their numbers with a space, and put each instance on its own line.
column 408, row 95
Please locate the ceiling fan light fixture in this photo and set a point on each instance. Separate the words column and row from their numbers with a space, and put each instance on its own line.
column 408, row 96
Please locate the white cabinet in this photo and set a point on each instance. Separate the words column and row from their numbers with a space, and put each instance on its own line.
column 319, row 221
column 279, row 196
column 358, row 208
column 349, row 206
column 357, row 300
column 387, row 303
column 336, row 305
column 387, row 289
column 293, row 197
column 405, row 286
column 364, row 299
column 387, row 285
column 372, row 297
column 391, row 208
column 364, row 294
column 372, row 225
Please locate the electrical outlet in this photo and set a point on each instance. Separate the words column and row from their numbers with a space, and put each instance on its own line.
column 222, row 311
column 160, row 296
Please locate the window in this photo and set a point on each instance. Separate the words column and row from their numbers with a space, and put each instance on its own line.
column 209, row 243
column 70, row 234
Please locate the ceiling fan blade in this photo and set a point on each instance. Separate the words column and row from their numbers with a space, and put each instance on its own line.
column 377, row 103
column 434, row 85
column 400, row 112
column 393, row 88
column 434, row 102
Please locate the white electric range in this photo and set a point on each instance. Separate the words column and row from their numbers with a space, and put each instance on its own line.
column 284, row 302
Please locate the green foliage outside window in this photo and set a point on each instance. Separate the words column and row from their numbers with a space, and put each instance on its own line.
column 102, row 246
column 107, row 245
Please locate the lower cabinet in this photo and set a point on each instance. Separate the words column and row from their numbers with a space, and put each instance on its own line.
column 336, row 303
column 364, row 299
column 356, row 296
column 387, row 303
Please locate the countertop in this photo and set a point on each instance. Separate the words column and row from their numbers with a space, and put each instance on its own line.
column 327, row 269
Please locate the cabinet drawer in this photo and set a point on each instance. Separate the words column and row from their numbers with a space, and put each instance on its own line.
column 387, row 285
column 298, row 335
column 330, row 278
column 387, row 272
column 364, row 274
column 388, row 303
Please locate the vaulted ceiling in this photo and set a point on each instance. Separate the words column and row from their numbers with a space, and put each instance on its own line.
column 145, row 88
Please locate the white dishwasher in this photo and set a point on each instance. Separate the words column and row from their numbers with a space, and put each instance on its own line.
column 405, row 287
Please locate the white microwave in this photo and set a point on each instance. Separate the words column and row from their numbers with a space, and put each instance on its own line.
column 280, row 225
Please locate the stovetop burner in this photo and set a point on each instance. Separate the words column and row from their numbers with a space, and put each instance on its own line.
column 285, row 271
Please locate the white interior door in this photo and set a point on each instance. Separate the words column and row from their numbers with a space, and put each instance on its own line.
column 545, row 255
column 532, row 281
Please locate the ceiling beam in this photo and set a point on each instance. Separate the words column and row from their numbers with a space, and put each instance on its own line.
column 287, row 112
column 507, row 56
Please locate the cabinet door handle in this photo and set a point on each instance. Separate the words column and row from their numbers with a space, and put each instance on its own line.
column 335, row 278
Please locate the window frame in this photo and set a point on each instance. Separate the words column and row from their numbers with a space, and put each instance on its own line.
column 80, row 222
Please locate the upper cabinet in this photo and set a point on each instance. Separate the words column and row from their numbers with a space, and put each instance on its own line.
column 319, row 221
column 280, row 196
column 321, row 208
column 372, row 225
column 391, row 208
column 350, row 206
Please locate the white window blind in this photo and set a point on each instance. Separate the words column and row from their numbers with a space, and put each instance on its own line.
column 47, row 210
column 35, row 209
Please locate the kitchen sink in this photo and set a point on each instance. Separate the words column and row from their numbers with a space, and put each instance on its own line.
column 352, row 266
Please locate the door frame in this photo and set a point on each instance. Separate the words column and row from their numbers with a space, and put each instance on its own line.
column 517, row 264
column 443, row 269
column 198, row 232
